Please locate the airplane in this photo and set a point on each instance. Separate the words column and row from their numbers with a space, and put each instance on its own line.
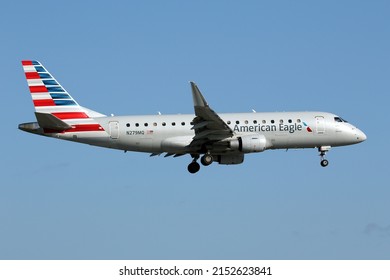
column 204, row 135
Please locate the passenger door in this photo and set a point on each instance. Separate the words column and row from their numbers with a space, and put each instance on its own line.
column 320, row 125
column 114, row 129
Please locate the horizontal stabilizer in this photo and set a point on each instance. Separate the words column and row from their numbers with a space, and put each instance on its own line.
column 48, row 121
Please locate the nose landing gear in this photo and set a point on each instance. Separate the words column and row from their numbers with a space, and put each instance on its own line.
column 323, row 150
column 324, row 163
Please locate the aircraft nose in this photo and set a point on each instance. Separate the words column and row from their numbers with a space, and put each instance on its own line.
column 360, row 135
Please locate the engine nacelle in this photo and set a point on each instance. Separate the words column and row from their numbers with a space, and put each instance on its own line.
column 231, row 159
column 253, row 143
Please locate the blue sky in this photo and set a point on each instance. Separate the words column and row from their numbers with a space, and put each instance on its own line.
column 62, row 200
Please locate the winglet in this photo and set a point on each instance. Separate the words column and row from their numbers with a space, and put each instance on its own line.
column 199, row 100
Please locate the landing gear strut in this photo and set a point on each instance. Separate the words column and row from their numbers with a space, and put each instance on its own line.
column 323, row 150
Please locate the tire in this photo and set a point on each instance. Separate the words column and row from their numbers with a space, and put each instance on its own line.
column 324, row 163
column 207, row 159
column 193, row 167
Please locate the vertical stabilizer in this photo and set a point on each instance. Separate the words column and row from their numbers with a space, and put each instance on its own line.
column 54, row 106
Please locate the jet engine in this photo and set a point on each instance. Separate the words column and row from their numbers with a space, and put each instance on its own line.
column 253, row 143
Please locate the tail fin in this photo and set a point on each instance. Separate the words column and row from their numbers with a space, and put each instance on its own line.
column 47, row 94
column 54, row 107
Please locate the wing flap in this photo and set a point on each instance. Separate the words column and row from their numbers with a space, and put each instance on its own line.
column 200, row 125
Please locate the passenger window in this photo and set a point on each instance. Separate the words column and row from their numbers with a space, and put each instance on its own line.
column 146, row 124
column 255, row 122
column 137, row 124
column 128, row 125
column 228, row 122
column 290, row 121
column 173, row 124
column 246, row 122
column 183, row 123
column 298, row 120
column 280, row 121
column 264, row 121
column 164, row 124
column 154, row 124
column 272, row 121
column 237, row 122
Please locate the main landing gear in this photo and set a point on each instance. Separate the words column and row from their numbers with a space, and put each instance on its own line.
column 323, row 150
column 206, row 160
column 194, row 166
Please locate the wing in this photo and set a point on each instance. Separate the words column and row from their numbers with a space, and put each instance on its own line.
column 208, row 126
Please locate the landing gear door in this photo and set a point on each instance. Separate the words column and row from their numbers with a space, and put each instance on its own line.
column 114, row 130
column 320, row 125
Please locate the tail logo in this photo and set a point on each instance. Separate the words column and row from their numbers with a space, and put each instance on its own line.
column 307, row 127
column 45, row 90
column 50, row 98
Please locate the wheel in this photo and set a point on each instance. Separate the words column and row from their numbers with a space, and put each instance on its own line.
column 207, row 159
column 193, row 167
column 324, row 163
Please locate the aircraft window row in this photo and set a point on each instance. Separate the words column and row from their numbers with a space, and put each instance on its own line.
column 155, row 124
column 337, row 119
column 264, row 121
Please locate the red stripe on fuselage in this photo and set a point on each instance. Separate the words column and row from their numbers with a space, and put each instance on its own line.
column 85, row 128
column 44, row 102
column 32, row 75
column 71, row 115
column 27, row 62
column 34, row 89
column 77, row 128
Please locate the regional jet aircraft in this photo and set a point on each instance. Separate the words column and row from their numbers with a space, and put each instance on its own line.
column 204, row 135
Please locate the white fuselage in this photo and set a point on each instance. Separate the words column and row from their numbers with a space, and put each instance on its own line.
column 172, row 133
column 204, row 135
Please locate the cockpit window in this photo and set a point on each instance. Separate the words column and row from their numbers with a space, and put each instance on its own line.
column 338, row 119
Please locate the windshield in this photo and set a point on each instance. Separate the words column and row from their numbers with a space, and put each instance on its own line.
column 338, row 119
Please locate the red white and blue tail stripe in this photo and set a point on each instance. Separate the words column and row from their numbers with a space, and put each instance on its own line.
column 49, row 97
column 44, row 88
